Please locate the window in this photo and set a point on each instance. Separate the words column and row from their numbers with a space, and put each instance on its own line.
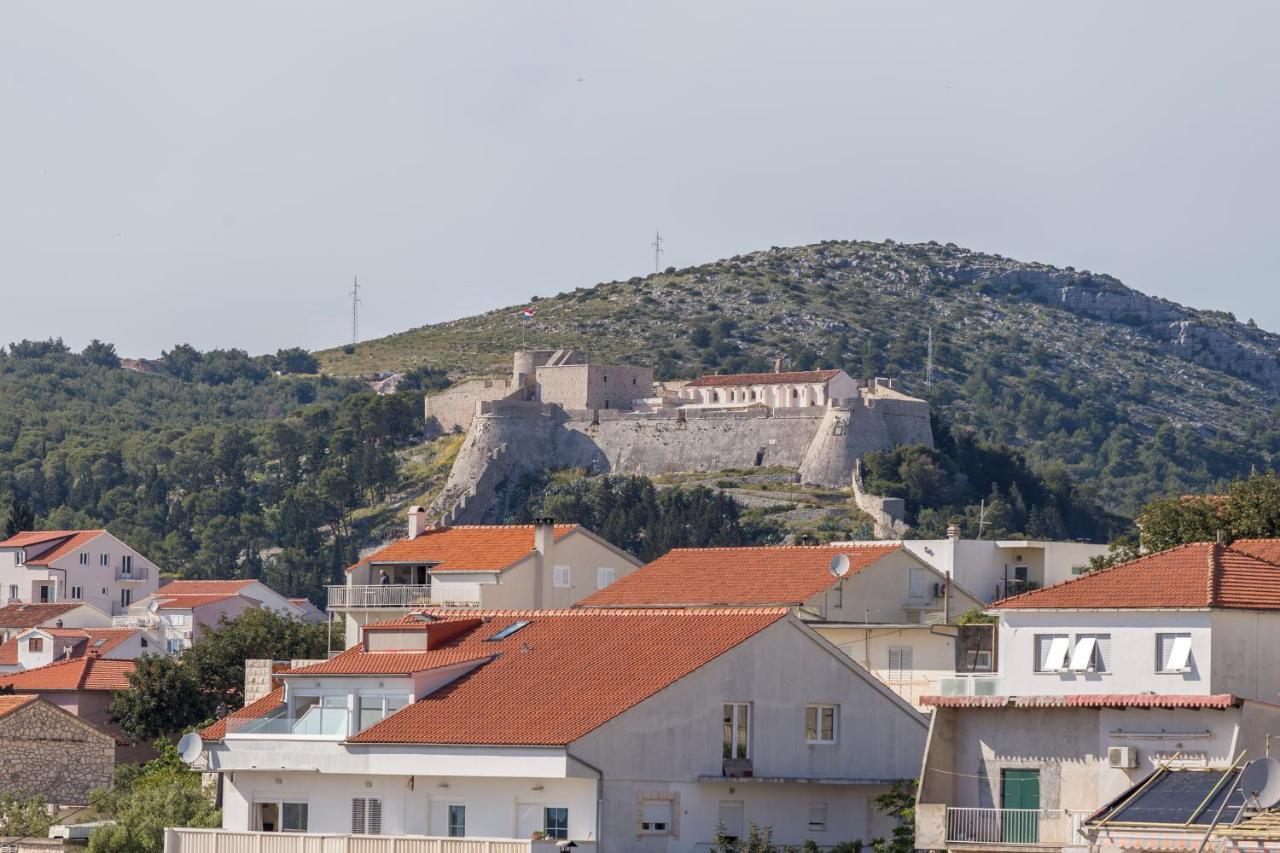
column 35, row 644
column 730, row 817
column 509, row 630
column 817, row 817
column 560, row 576
column 555, row 822
column 657, row 816
column 104, row 559
column 605, row 576
column 737, row 734
column 977, row 660
column 84, row 558
column 177, row 618
column 280, row 816
column 76, row 592
column 126, row 565
column 366, row 816
column 143, row 641
column 900, row 663
column 174, row 646
column 13, row 592
column 374, row 709
column 1021, row 574
column 457, row 821
column 1051, row 652
column 320, row 715
column 917, row 580
column 820, row 724
column 1173, row 652
column 1091, row 653
column 126, row 596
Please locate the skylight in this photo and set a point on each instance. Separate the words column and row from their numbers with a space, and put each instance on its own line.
column 509, row 630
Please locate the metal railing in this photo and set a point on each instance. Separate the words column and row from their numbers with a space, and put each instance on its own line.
column 232, row 841
column 1013, row 827
column 380, row 595
column 136, row 573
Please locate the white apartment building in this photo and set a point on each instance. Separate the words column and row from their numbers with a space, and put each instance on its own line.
column 616, row 729
column 89, row 566
column 179, row 612
column 888, row 610
column 1102, row 680
column 511, row 566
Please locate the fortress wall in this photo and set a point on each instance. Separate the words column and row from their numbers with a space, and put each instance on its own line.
column 456, row 406
column 594, row 386
column 907, row 421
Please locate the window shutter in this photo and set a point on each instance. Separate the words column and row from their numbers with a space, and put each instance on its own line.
column 900, row 663
column 357, row 816
column 560, row 576
column 1180, row 655
column 375, row 816
column 605, row 576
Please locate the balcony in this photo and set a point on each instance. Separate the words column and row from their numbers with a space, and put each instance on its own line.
column 986, row 829
column 379, row 595
column 136, row 573
column 326, row 721
column 231, row 841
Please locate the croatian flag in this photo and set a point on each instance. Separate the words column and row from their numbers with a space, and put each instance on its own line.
column 528, row 313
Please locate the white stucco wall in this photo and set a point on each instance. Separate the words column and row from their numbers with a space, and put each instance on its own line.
column 932, row 654
column 1132, row 668
column 981, row 566
column 1244, row 654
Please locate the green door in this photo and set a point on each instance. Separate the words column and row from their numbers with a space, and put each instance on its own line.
column 1020, row 797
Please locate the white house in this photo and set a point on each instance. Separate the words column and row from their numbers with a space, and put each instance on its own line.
column 887, row 609
column 37, row 647
column 477, row 566
column 779, row 390
column 180, row 611
column 18, row 617
column 1101, row 680
column 91, row 566
column 617, row 729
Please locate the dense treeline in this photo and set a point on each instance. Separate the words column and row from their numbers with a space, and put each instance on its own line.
column 630, row 512
column 970, row 483
column 222, row 467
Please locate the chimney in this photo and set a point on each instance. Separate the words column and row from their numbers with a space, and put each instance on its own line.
column 953, row 533
column 777, row 364
column 417, row 521
column 544, row 536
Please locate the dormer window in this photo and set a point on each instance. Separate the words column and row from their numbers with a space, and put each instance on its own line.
column 375, row 709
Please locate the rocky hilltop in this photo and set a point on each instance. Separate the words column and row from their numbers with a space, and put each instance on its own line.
column 1133, row 394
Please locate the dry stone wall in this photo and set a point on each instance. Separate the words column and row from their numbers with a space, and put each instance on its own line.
column 44, row 750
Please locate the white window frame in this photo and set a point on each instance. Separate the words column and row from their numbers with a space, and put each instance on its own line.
column 366, row 815
column 384, row 700
column 126, row 564
column 448, row 820
column 822, row 811
column 84, row 558
column 818, row 712
column 1059, row 645
column 1180, row 652
column 1090, row 653
column 646, row 826
column 739, row 714
column 546, row 830
column 77, row 592
column 561, row 577
column 279, row 802
column 104, row 559
column 605, row 575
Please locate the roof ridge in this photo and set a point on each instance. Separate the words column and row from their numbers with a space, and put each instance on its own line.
column 703, row 549
column 1215, row 570
column 627, row 610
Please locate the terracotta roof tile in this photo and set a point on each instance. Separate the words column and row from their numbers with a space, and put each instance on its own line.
column 9, row 652
column 34, row 615
column 1264, row 549
column 65, row 547
column 356, row 661
column 612, row 658
column 737, row 379
column 779, row 575
column 205, row 587
column 9, row 704
column 84, row 673
column 1096, row 700
column 474, row 548
column 97, row 640
column 1198, row 575
column 27, row 538
column 186, row 602
column 252, row 711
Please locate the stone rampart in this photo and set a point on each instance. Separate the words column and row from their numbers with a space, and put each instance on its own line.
column 454, row 407
column 44, row 750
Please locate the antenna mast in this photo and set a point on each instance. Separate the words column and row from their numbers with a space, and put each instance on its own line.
column 928, row 361
column 657, row 251
column 355, row 311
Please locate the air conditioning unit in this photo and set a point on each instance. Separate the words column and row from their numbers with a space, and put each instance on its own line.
column 1122, row 757
column 939, row 590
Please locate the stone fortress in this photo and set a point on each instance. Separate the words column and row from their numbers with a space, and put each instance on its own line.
column 559, row 410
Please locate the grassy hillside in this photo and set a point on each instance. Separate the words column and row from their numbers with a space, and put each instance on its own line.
column 1131, row 395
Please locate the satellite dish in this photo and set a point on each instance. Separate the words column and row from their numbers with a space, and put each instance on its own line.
column 1261, row 782
column 191, row 747
column 839, row 565
column 153, row 605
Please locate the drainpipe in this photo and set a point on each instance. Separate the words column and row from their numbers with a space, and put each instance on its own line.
column 599, row 795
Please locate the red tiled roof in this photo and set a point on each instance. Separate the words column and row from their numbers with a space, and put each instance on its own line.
column 609, row 660
column 356, row 661
column 26, row 538
column 34, row 615
column 780, row 575
column 1198, row 575
column 187, row 602
column 97, row 640
column 65, row 547
column 9, row 704
column 465, row 548
column 1089, row 700
column 252, row 711
column 736, row 379
column 1264, row 549
column 228, row 587
column 84, row 673
column 9, row 652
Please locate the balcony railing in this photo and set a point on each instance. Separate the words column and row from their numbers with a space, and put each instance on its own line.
column 230, row 841
column 380, row 595
column 975, row 684
column 1011, row 827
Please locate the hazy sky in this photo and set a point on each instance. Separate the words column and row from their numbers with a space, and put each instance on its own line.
column 217, row 172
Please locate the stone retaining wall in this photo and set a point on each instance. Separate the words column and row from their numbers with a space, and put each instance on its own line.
column 44, row 750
